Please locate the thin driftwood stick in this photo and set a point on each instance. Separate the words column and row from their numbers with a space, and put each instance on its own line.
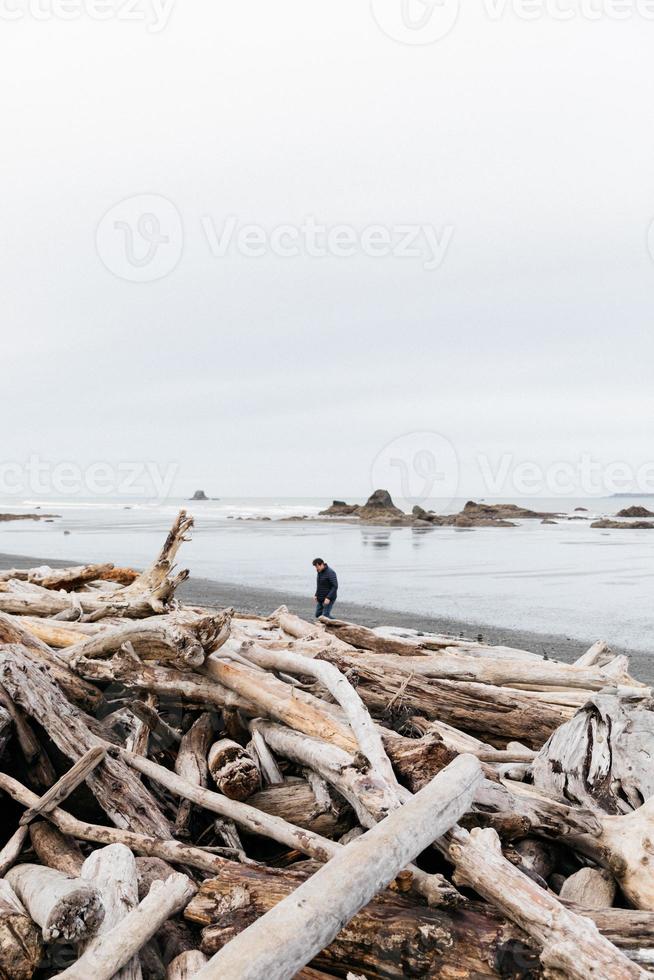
column 310, row 918
column 149, row 846
column 10, row 852
column 65, row 786
column 106, row 954
column 67, row 909
column 112, row 870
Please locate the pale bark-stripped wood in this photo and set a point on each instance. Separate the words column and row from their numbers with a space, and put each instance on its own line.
column 12, row 630
column 66, row 579
column 571, row 943
column 11, row 850
column 122, row 796
column 499, row 673
column 232, row 770
column 269, row 768
column 151, row 846
column 505, row 712
column 186, row 965
column 66, row 784
column 165, row 733
column 191, row 764
column 41, row 770
column 151, row 640
column 107, row 953
column 20, row 941
column 601, row 758
column 294, row 801
column 366, row 732
column 5, row 729
column 591, row 888
column 112, row 870
column 310, row 918
column 66, row 909
column 56, row 850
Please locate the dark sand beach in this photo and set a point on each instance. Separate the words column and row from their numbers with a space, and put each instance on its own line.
column 263, row 601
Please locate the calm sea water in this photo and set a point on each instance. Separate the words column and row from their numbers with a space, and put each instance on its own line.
column 563, row 579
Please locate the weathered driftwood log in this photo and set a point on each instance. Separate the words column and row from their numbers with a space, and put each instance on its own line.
column 77, row 690
column 310, row 918
column 107, row 953
column 20, row 941
column 168, row 850
column 334, row 681
column 571, row 943
column 232, row 770
column 294, row 801
column 122, row 796
column 112, row 870
column 165, row 734
column 66, row 784
column 186, row 965
column 5, row 729
column 191, row 763
column 66, row 579
column 590, row 888
column 66, row 909
column 601, row 758
column 56, row 850
column 40, row 769
column 456, row 666
column 270, row 771
column 390, row 937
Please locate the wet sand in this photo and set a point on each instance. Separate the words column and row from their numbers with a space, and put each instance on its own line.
column 262, row 602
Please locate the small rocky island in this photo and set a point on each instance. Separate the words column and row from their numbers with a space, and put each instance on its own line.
column 28, row 517
column 380, row 509
column 199, row 495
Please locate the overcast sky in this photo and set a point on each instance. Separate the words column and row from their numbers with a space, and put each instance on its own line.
column 513, row 157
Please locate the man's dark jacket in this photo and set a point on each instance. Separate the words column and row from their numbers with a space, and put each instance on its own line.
column 326, row 585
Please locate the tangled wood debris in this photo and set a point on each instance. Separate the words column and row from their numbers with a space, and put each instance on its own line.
column 198, row 793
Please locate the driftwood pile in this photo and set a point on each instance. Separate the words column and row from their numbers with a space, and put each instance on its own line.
column 192, row 793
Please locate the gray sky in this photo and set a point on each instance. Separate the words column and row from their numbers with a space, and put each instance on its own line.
column 525, row 147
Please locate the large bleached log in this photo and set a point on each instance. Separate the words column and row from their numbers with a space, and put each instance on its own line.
column 66, row 579
column 571, row 943
column 112, row 870
column 601, row 758
column 456, row 666
column 191, row 763
column 20, row 942
column 151, row 640
column 390, row 937
column 309, row 919
column 122, row 796
column 107, row 953
column 506, row 712
column 66, row 909
column 232, row 770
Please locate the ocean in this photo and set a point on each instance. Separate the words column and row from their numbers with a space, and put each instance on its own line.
column 565, row 578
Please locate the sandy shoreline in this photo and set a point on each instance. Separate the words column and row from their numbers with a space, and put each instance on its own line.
column 264, row 601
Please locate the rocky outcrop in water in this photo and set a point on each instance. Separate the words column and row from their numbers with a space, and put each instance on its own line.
column 635, row 512
column 199, row 495
column 609, row 525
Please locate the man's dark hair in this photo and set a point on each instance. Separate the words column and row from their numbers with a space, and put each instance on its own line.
column 318, row 561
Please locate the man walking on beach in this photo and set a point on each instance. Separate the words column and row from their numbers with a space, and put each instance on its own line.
column 326, row 588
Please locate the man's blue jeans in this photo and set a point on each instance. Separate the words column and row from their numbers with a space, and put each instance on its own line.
column 325, row 610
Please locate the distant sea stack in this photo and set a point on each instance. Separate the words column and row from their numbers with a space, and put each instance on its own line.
column 199, row 495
